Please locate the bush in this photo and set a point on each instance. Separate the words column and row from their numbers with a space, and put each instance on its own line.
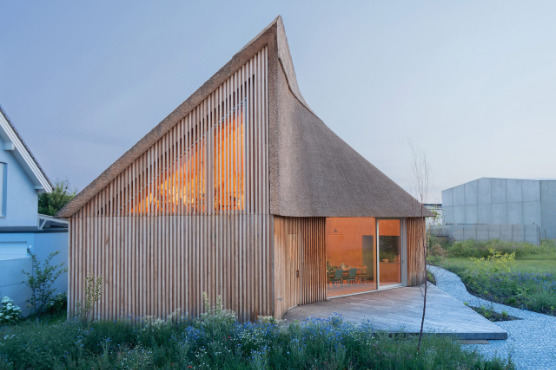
column 10, row 313
column 216, row 341
column 51, row 203
column 477, row 249
column 58, row 304
column 536, row 292
column 40, row 280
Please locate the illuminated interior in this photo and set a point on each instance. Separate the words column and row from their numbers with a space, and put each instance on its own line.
column 389, row 246
column 183, row 186
column 351, row 254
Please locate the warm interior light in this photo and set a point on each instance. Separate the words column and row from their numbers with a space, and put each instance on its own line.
column 183, row 184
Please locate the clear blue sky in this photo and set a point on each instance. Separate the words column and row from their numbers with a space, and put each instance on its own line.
column 472, row 84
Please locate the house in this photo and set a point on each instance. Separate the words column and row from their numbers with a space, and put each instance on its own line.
column 241, row 192
column 505, row 209
column 21, row 226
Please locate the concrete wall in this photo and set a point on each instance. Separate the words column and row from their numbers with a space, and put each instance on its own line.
column 502, row 203
column 42, row 244
column 22, row 198
column 548, row 209
column 493, row 201
column 481, row 232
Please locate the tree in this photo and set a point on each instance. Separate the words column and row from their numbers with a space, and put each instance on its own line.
column 51, row 203
column 421, row 177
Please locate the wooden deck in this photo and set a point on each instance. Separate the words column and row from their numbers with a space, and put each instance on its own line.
column 399, row 310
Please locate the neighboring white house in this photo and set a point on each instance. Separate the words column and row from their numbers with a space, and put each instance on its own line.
column 21, row 227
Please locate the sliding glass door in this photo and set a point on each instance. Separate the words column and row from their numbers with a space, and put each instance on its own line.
column 362, row 254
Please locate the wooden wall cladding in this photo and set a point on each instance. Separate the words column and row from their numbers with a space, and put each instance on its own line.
column 416, row 239
column 157, row 265
column 190, row 215
column 299, row 262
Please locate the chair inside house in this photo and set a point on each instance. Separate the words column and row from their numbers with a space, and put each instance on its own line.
column 352, row 275
column 338, row 277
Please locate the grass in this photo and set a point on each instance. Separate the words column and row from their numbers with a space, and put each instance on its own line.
column 217, row 340
column 529, row 266
column 492, row 315
column 431, row 278
column 527, row 282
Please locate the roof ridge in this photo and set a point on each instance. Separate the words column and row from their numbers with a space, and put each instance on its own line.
column 158, row 131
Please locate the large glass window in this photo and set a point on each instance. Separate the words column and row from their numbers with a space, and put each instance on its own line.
column 359, row 261
column 350, row 252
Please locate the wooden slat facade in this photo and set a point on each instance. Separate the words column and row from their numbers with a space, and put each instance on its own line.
column 190, row 215
column 299, row 261
column 415, row 244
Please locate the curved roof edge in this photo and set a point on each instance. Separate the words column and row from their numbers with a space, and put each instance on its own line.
column 314, row 173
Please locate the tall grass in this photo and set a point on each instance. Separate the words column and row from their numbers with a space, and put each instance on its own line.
column 217, row 340
column 529, row 282
column 523, row 251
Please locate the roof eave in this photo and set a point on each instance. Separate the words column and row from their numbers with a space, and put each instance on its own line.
column 14, row 142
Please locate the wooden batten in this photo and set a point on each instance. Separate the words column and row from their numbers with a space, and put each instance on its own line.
column 299, row 262
column 416, row 239
column 189, row 216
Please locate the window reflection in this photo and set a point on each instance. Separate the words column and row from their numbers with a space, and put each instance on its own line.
column 350, row 249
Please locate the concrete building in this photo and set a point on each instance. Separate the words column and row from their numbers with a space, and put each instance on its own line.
column 506, row 209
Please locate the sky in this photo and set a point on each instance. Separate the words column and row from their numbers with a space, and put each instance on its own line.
column 471, row 85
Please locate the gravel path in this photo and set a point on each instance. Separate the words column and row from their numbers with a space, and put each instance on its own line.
column 531, row 341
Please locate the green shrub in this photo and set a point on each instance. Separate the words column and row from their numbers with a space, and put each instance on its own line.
column 477, row 249
column 41, row 278
column 215, row 341
column 10, row 313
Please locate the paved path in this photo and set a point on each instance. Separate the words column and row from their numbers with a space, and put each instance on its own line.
column 531, row 341
column 400, row 310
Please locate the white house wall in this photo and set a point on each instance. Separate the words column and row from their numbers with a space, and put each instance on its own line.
column 22, row 198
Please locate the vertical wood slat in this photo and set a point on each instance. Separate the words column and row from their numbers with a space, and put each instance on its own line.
column 415, row 248
column 156, row 255
column 299, row 245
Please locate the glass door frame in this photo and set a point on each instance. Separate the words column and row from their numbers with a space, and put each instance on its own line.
column 403, row 254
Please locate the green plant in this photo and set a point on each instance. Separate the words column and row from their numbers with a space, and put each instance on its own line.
column 51, row 203
column 93, row 293
column 431, row 278
column 57, row 304
column 40, row 280
column 9, row 312
column 490, row 314
column 191, row 343
column 495, row 262
column 436, row 253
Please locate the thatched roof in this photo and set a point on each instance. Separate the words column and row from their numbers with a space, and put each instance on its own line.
column 312, row 171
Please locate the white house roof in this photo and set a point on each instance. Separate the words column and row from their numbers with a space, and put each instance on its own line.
column 14, row 143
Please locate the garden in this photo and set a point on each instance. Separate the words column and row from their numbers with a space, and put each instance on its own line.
column 47, row 339
column 521, row 275
column 217, row 340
